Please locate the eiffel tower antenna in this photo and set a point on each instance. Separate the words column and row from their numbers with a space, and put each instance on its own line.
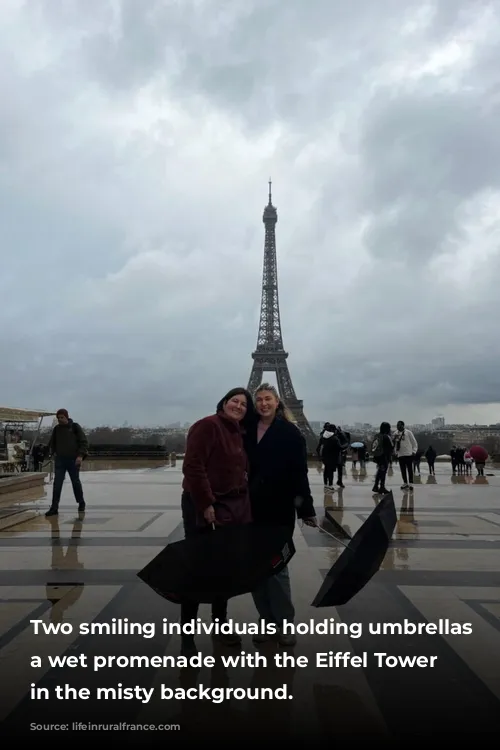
column 270, row 355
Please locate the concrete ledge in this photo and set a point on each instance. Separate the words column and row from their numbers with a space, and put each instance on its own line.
column 17, row 482
column 16, row 491
column 15, row 517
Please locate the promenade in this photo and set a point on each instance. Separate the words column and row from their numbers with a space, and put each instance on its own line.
column 444, row 563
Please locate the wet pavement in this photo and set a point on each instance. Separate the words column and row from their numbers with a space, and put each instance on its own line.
column 444, row 563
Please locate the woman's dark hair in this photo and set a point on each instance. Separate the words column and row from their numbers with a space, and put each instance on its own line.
column 385, row 428
column 251, row 415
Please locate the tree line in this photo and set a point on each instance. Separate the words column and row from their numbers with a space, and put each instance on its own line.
column 175, row 442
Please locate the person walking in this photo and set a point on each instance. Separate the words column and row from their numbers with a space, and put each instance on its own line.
column 382, row 449
column 453, row 456
column 405, row 447
column 344, row 439
column 215, row 487
column 69, row 446
column 362, row 457
column 279, row 493
column 417, row 458
column 330, row 453
column 430, row 456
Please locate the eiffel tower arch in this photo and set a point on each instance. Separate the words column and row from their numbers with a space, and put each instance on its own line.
column 270, row 354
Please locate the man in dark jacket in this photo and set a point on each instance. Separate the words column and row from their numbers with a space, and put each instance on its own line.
column 382, row 450
column 330, row 454
column 430, row 455
column 68, row 443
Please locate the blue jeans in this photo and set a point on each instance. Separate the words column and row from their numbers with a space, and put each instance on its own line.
column 61, row 466
column 273, row 599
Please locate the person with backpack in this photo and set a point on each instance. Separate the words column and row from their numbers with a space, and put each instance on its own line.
column 69, row 445
column 382, row 449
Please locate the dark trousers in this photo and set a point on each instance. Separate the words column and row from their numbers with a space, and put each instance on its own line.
column 328, row 472
column 382, row 467
column 431, row 467
column 61, row 466
column 340, row 469
column 406, row 466
column 189, row 609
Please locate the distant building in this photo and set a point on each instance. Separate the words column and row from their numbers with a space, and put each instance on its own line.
column 467, row 434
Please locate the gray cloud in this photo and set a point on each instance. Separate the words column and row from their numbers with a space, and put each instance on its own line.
column 135, row 143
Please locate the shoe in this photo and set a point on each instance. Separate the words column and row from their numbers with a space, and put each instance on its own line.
column 287, row 640
column 405, row 486
column 375, row 490
column 52, row 511
column 410, row 487
column 81, row 507
column 342, row 486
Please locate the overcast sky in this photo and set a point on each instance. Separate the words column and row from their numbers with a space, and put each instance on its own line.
column 136, row 141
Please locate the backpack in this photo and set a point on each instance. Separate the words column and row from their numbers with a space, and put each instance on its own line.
column 378, row 446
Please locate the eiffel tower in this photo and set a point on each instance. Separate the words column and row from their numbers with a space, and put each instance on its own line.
column 270, row 355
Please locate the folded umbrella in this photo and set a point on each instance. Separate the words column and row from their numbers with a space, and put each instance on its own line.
column 361, row 558
column 222, row 562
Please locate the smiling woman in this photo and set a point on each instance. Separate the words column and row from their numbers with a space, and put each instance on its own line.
column 215, row 486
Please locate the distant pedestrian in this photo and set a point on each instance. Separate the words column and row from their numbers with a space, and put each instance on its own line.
column 69, row 445
column 405, row 448
column 330, row 454
column 430, row 456
column 344, row 439
column 416, row 461
column 38, row 454
column 382, row 449
column 453, row 456
column 362, row 457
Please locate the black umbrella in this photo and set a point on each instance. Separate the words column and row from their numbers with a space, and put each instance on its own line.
column 222, row 562
column 361, row 558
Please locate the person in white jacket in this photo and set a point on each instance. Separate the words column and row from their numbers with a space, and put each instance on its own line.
column 405, row 447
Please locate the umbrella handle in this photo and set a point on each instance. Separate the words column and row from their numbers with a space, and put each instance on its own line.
column 337, row 539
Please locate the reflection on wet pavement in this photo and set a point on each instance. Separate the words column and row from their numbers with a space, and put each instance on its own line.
column 443, row 562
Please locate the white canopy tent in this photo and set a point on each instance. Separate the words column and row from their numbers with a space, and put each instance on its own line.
column 10, row 417
column 8, row 414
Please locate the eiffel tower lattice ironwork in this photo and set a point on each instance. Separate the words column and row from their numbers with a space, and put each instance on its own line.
column 270, row 355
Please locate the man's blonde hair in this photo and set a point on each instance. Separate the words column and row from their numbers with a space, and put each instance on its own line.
column 282, row 410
